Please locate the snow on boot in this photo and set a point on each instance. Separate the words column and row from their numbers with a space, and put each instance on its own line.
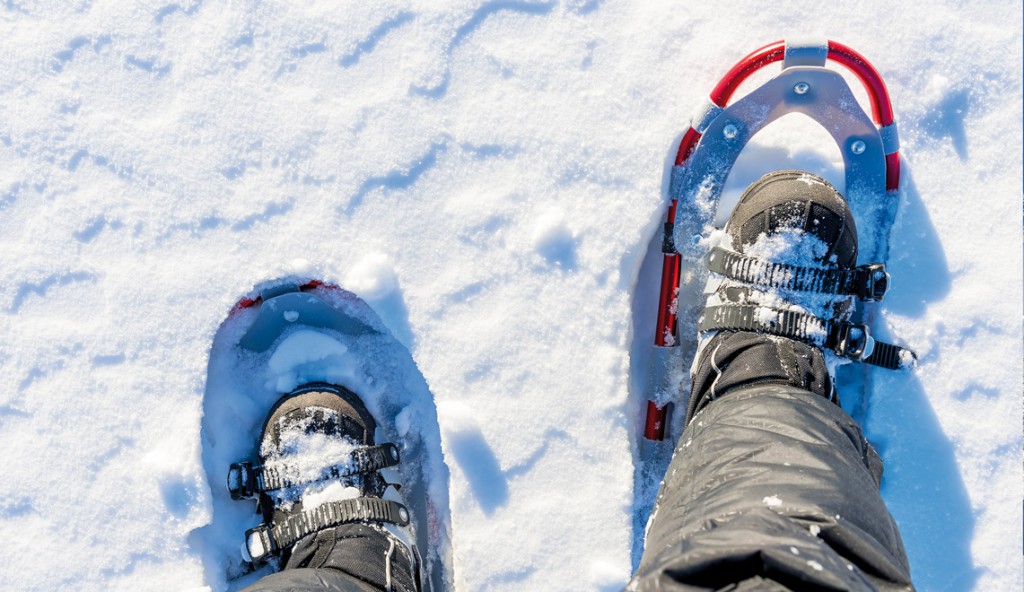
column 782, row 291
column 321, row 478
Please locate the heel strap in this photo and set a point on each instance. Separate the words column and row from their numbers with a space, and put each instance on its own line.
column 848, row 340
column 267, row 540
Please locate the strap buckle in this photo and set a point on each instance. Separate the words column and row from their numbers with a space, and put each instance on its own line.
column 259, row 544
column 875, row 282
column 241, row 481
column 853, row 341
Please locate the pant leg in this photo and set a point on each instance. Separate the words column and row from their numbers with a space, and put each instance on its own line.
column 772, row 487
column 309, row 579
column 348, row 558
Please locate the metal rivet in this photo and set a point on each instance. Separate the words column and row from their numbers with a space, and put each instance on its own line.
column 403, row 514
column 879, row 275
column 394, row 453
column 858, row 147
column 801, row 88
column 730, row 131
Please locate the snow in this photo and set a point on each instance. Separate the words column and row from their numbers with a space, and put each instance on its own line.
column 305, row 459
column 335, row 491
column 788, row 247
column 308, row 356
column 489, row 176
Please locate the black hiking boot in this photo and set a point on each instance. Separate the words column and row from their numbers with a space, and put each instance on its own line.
column 782, row 293
column 327, row 495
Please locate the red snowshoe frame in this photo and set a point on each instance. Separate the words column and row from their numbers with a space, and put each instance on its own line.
column 870, row 149
column 258, row 298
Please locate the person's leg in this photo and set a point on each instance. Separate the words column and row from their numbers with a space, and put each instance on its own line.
column 771, row 482
column 772, row 485
column 305, row 580
column 349, row 558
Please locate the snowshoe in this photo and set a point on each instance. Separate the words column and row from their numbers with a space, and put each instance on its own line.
column 840, row 322
column 315, row 411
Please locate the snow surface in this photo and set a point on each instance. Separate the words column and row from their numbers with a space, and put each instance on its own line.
column 490, row 176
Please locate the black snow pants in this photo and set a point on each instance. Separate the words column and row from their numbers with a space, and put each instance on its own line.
column 772, row 485
column 348, row 558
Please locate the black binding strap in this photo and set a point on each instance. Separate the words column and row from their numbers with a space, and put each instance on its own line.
column 849, row 340
column 246, row 480
column 867, row 282
column 890, row 356
column 267, row 540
